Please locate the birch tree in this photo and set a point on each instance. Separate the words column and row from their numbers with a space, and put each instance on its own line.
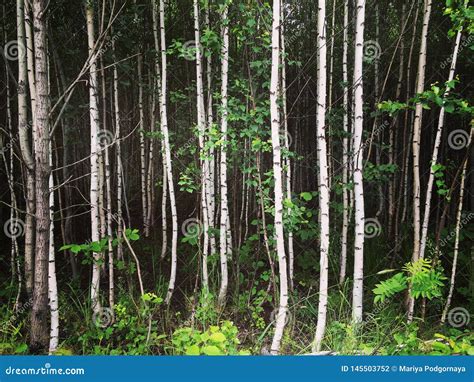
column 277, row 175
column 323, row 176
column 224, row 213
column 94, row 157
column 166, row 143
column 357, row 291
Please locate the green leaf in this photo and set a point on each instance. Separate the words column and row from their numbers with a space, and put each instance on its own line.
column 211, row 350
column 306, row 196
column 193, row 350
column 217, row 337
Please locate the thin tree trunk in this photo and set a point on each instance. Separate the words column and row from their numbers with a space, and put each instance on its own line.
column 458, row 224
column 201, row 123
column 94, row 158
column 420, row 83
column 224, row 214
column 345, row 148
column 357, row 292
column 27, row 151
column 164, row 130
column 434, row 157
column 323, row 177
column 277, row 174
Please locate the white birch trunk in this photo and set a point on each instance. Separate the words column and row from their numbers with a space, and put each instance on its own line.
column 164, row 130
column 345, row 148
column 323, row 176
column 456, row 239
column 357, row 292
column 94, row 160
column 420, row 83
column 277, row 174
column 434, row 157
column 224, row 215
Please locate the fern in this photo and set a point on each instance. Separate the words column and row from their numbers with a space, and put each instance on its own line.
column 388, row 288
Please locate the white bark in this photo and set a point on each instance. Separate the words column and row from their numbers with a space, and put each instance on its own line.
column 277, row 174
column 94, row 160
column 323, row 176
column 201, row 123
column 357, row 292
column 52, row 283
column 458, row 230
column 164, row 131
column 224, row 215
column 420, row 83
column 345, row 148
column 434, row 157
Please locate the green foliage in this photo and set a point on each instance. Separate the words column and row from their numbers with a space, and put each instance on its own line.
column 425, row 281
column 390, row 287
column 217, row 340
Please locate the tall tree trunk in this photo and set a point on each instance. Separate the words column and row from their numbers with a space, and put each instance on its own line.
column 420, row 83
column 323, row 177
column 40, row 312
column 434, row 157
column 458, row 226
column 26, row 150
column 164, row 130
column 224, row 215
column 94, row 158
column 345, row 148
column 357, row 292
column 277, row 174
column 201, row 123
